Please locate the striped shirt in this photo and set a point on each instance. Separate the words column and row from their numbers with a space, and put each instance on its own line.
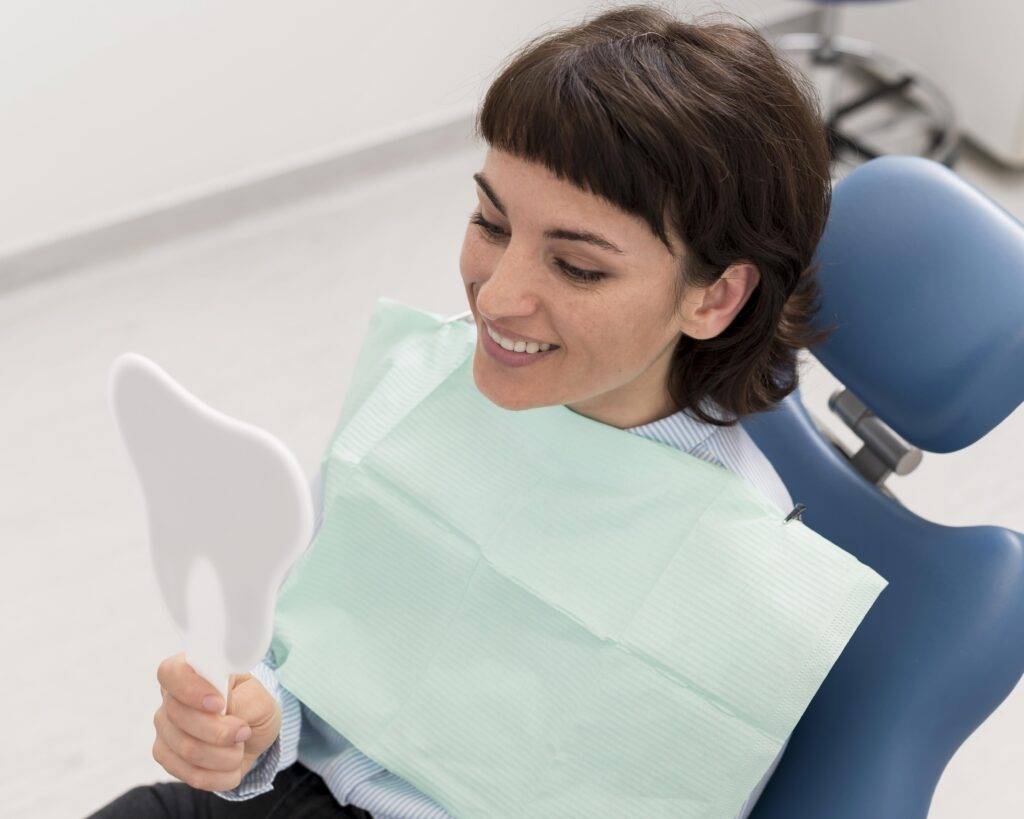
column 357, row 780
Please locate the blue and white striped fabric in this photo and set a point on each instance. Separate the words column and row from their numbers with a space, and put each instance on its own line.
column 357, row 780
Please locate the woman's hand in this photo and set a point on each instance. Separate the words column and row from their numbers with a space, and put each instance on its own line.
column 198, row 745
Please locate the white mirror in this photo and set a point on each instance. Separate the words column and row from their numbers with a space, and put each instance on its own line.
column 228, row 508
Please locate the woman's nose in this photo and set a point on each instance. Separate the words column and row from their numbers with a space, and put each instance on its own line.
column 509, row 290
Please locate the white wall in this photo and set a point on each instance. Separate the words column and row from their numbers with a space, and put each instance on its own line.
column 111, row 109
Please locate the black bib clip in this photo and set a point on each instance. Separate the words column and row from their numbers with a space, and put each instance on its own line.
column 798, row 510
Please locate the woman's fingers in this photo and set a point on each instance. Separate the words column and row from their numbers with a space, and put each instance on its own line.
column 196, row 752
column 211, row 728
column 178, row 677
column 199, row 778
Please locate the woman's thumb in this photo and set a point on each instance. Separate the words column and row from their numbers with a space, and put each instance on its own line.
column 250, row 701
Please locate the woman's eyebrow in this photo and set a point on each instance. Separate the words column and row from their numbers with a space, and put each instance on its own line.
column 551, row 233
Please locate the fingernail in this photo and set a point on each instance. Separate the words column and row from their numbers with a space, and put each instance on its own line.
column 212, row 702
column 243, row 734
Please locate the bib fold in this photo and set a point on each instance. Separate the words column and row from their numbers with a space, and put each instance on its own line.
column 533, row 614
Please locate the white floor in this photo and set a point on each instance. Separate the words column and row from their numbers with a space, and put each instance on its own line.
column 261, row 320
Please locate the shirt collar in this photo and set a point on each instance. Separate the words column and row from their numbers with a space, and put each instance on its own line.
column 682, row 430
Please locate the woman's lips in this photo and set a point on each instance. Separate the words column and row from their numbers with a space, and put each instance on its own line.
column 501, row 331
column 510, row 357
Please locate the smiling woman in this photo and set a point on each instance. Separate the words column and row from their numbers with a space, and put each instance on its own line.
column 647, row 212
column 650, row 201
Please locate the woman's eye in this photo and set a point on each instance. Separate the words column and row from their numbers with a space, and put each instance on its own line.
column 493, row 233
column 578, row 273
column 489, row 229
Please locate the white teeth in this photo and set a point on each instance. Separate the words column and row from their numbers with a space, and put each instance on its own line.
column 528, row 347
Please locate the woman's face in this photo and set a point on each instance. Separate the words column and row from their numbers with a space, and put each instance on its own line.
column 615, row 324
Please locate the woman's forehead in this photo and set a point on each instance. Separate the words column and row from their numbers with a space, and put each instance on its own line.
column 529, row 191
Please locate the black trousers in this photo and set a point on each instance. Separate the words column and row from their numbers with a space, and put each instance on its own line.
column 298, row 793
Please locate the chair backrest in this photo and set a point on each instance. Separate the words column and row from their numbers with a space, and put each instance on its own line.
column 924, row 276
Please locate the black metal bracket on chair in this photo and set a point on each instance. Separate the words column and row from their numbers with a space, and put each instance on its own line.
column 883, row 453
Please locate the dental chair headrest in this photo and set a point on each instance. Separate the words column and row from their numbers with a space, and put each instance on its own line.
column 924, row 275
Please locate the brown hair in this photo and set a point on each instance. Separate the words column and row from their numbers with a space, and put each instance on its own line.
column 705, row 125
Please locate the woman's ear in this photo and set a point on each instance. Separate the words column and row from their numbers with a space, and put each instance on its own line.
column 721, row 301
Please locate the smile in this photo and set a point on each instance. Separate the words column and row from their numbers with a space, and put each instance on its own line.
column 515, row 354
column 517, row 343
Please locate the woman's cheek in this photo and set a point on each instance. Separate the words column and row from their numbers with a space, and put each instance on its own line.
column 475, row 260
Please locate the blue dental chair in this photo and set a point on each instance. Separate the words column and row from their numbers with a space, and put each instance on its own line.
column 924, row 276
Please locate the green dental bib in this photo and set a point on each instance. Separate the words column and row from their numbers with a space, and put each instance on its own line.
column 534, row 614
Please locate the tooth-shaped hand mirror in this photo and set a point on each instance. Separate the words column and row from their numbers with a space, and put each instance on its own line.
column 229, row 511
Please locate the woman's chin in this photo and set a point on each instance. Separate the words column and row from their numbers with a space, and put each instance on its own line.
column 499, row 389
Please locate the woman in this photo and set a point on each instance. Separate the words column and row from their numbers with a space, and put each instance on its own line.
column 648, row 209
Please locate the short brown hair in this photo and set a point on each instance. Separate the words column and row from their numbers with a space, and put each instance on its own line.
column 702, row 124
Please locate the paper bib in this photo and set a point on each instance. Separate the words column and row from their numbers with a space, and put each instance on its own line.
column 534, row 614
